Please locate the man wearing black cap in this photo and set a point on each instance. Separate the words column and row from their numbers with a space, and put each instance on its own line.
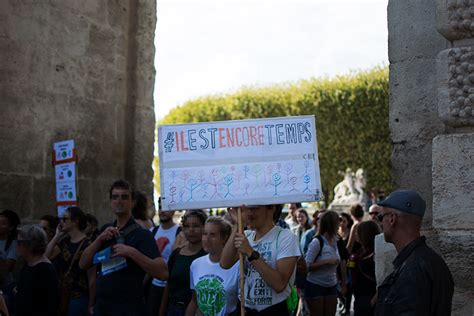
column 421, row 283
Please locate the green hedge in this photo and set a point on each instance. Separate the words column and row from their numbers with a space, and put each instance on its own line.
column 351, row 118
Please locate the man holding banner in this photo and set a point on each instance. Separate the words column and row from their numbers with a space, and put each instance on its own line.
column 270, row 254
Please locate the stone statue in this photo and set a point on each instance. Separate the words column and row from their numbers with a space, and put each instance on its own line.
column 350, row 190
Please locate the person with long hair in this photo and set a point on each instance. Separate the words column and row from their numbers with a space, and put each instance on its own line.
column 177, row 293
column 302, row 218
column 214, row 288
column 77, row 286
column 9, row 222
column 37, row 290
column 364, row 284
column 322, row 260
column 357, row 214
column 345, row 226
column 140, row 210
column 310, row 233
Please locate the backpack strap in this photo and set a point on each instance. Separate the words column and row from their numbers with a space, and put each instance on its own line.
column 154, row 230
column 321, row 244
column 129, row 230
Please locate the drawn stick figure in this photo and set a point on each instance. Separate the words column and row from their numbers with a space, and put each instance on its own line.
column 306, row 180
column 246, row 171
column 228, row 180
column 193, row 185
column 276, row 178
column 215, row 183
column 289, row 171
column 257, row 170
column 172, row 193
column 293, row 181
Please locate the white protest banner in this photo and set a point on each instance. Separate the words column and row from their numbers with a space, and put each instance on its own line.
column 230, row 163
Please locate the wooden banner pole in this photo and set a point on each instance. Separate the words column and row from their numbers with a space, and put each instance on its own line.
column 242, row 270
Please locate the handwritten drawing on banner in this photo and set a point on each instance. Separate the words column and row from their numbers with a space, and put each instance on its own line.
column 230, row 163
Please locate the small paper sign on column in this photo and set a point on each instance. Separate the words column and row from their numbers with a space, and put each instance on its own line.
column 231, row 163
column 64, row 160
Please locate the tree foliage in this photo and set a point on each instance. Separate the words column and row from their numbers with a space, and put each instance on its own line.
column 351, row 119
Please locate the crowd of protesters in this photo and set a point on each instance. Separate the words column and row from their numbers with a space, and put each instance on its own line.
column 302, row 265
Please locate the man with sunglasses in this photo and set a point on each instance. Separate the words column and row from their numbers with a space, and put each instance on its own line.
column 421, row 283
column 123, row 253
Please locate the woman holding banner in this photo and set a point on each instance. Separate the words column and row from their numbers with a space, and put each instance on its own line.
column 270, row 254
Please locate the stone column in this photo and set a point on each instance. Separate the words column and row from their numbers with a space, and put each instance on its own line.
column 431, row 122
column 453, row 151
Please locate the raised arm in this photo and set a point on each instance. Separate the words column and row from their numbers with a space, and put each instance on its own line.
column 54, row 241
column 352, row 238
column 230, row 254
column 87, row 257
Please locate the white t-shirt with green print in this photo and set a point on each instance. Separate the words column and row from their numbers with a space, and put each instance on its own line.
column 216, row 288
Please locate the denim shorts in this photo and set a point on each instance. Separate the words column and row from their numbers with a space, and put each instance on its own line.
column 312, row 291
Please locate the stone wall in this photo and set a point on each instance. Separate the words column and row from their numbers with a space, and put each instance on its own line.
column 432, row 125
column 79, row 70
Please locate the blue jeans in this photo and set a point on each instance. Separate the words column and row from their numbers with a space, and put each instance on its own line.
column 78, row 306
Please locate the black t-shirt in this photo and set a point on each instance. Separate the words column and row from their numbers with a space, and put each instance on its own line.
column 179, row 280
column 125, row 286
column 341, row 247
column 364, row 279
column 38, row 292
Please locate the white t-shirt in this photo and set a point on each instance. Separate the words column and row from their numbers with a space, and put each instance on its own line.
column 165, row 239
column 325, row 275
column 277, row 244
column 384, row 254
column 216, row 288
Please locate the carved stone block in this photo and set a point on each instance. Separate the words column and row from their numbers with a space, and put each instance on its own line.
column 455, row 18
column 456, row 86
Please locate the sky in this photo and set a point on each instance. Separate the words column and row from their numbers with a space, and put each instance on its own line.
column 217, row 46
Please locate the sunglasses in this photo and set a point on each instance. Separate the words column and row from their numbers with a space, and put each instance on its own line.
column 382, row 215
column 64, row 219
